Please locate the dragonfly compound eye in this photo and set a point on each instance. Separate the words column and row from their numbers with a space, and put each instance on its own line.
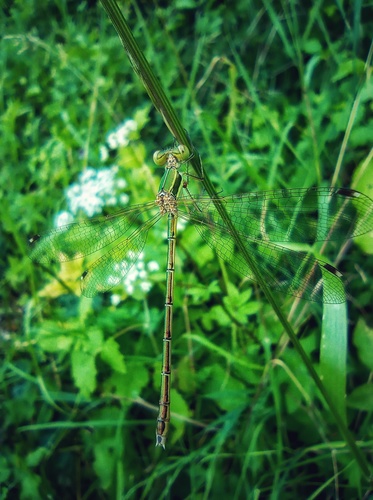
column 160, row 158
column 182, row 152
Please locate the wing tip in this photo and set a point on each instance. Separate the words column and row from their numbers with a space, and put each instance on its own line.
column 33, row 239
column 349, row 193
column 333, row 270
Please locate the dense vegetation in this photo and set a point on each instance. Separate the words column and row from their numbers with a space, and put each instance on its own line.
column 273, row 95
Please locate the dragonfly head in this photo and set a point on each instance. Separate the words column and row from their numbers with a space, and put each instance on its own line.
column 171, row 157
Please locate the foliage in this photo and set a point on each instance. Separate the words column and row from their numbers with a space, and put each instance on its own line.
column 273, row 94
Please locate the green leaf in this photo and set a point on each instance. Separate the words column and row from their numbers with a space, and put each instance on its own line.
column 312, row 46
column 84, row 371
column 57, row 343
column 130, row 383
column 218, row 315
column 187, row 376
column 112, row 356
column 179, row 406
column 36, row 456
column 227, row 392
column 94, row 340
column 363, row 341
column 30, row 484
column 348, row 67
column 361, row 136
column 239, row 304
column 361, row 398
column 105, row 460
column 142, row 117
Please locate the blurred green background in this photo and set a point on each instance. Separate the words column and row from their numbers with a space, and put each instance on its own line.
column 273, row 95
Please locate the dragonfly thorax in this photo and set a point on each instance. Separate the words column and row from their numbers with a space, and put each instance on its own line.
column 167, row 203
column 172, row 161
column 169, row 188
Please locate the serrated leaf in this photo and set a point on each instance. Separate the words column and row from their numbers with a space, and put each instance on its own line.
column 111, row 354
column 84, row 371
column 95, row 340
column 55, row 338
column 131, row 383
column 217, row 314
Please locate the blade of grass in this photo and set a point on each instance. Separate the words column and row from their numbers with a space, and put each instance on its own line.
column 333, row 352
column 363, row 79
column 171, row 119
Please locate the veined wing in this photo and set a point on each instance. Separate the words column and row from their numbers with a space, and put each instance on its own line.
column 287, row 271
column 79, row 239
column 291, row 215
column 110, row 269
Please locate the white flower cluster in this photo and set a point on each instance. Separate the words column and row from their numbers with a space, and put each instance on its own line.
column 136, row 276
column 94, row 190
column 118, row 137
column 98, row 188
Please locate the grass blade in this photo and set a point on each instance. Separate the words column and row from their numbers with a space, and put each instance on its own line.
column 333, row 354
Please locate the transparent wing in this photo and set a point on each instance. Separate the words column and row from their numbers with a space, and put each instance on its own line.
column 295, row 215
column 84, row 238
column 292, row 215
column 295, row 273
column 110, row 269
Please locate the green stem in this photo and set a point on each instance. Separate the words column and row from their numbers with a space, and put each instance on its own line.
column 171, row 119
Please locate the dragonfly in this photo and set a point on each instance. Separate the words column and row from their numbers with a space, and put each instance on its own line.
column 265, row 222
